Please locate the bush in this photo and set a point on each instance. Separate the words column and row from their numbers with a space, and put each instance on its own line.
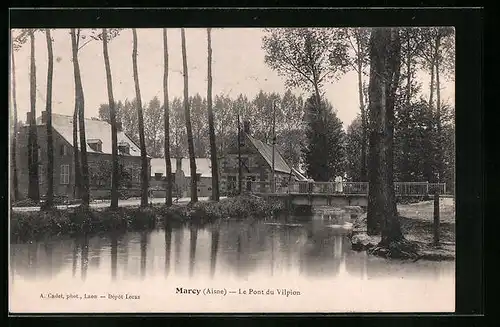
column 28, row 225
column 25, row 203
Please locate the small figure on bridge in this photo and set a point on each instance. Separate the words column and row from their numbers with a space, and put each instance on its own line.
column 338, row 184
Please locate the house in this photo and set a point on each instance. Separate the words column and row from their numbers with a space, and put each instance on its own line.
column 98, row 137
column 256, row 164
column 181, row 174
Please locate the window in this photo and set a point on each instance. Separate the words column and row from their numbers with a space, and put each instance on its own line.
column 63, row 150
column 41, row 174
column 244, row 162
column 124, row 148
column 95, row 144
column 64, row 174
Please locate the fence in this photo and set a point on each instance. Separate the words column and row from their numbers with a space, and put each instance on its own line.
column 362, row 188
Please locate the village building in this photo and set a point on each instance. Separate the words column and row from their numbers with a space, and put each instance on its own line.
column 256, row 165
column 98, row 137
column 181, row 177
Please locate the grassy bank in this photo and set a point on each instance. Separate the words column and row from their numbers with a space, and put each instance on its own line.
column 32, row 225
column 417, row 226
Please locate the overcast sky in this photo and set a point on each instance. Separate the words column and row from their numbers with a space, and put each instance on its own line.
column 238, row 67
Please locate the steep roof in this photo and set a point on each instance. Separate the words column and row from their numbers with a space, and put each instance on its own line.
column 94, row 130
column 203, row 166
column 266, row 151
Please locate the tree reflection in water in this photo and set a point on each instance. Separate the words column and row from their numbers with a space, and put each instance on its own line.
column 49, row 261
column 85, row 256
column 168, row 246
column 214, row 248
column 192, row 248
column 178, row 236
column 144, row 249
column 75, row 257
column 114, row 255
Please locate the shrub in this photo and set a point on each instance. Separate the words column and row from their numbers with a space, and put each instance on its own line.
column 25, row 203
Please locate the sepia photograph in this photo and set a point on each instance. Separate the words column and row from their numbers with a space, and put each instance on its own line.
column 232, row 170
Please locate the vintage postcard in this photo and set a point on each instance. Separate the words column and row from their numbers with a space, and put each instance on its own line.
column 235, row 170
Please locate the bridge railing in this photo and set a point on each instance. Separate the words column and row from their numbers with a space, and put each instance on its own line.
column 419, row 188
column 361, row 188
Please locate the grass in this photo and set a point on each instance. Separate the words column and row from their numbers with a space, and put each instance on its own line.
column 32, row 225
column 417, row 225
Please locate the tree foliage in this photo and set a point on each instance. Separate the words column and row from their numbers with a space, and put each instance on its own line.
column 323, row 153
column 305, row 57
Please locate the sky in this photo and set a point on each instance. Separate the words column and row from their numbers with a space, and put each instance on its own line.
column 238, row 67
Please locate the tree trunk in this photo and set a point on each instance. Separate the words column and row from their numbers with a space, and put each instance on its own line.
column 364, row 126
column 33, row 188
column 80, row 102
column 438, row 111
column 166, row 121
column 76, row 156
column 408, row 71
column 211, row 128
column 431, row 87
column 50, row 142
column 14, row 137
column 142, row 141
column 112, row 115
column 384, row 76
column 192, row 162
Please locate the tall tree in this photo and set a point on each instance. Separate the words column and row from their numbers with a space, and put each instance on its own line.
column 211, row 128
column 153, row 127
column 14, row 114
column 306, row 57
column 33, row 188
column 323, row 155
column 80, row 105
column 358, row 39
column 48, row 109
column 166, row 121
column 385, row 52
column 178, row 128
column 199, row 125
column 192, row 162
column 144, row 158
column 354, row 140
column 112, row 113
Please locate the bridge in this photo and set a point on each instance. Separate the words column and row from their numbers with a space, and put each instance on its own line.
column 337, row 194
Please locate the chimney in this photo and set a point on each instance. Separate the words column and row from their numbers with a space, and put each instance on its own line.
column 246, row 127
column 178, row 164
column 44, row 117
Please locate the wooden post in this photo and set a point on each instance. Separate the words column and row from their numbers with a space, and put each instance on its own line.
column 436, row 218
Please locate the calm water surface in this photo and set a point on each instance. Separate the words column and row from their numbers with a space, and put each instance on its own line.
column 312, row 260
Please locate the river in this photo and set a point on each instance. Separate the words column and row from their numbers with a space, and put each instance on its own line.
column 235, row 266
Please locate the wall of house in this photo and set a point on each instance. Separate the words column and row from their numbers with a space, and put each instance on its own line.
column 60, row 189
column 99, row 167
column 181, row 186
column 254, row 168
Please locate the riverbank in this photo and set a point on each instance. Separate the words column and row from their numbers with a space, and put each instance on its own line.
column 29, row 225
column 28, row 205
column 417, row 226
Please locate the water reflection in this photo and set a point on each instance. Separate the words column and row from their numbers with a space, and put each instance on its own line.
column 193, row 232
column 114, row 255
column 168, row 245
column 240, row 249
column 213, row 250
column 144, row 248
column 85, row 256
